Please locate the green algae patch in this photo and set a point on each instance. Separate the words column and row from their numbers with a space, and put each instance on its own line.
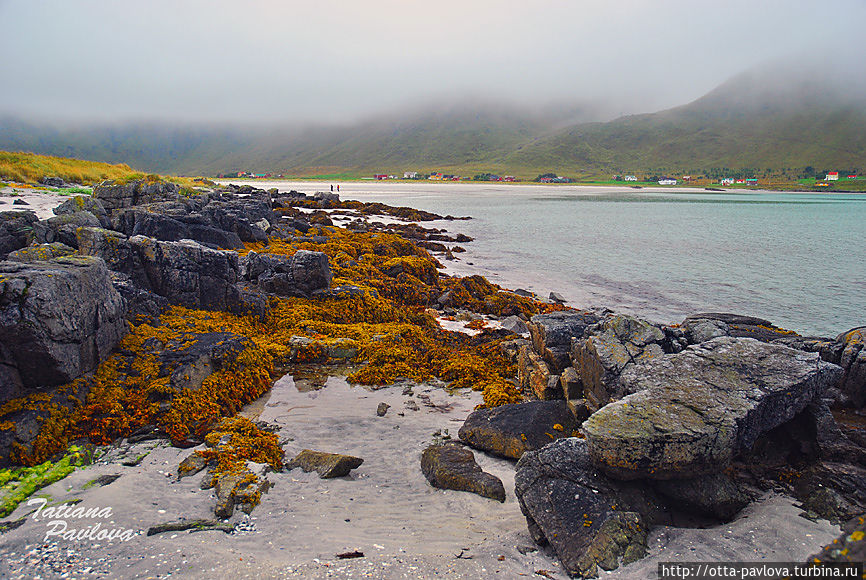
column 16, row 485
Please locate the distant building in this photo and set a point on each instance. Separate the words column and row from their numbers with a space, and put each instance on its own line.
column 726, row 181
column 410, row 175
column 752, row 181
column 630, row 178
column 687, row 177
column 380, row 176
column 832, row 176
column 667, row 181
column 852, row 176
column 510, row 178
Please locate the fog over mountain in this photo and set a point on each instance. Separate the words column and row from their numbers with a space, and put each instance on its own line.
column 333, row 62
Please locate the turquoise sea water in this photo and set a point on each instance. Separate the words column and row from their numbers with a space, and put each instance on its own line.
column 795, row 259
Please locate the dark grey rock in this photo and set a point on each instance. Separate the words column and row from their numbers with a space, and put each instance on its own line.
column 84, row 203
column 62, row 228
column 552, row 335
column 714, row 495
column 58, row 319
column 452, row 466
column 301, row 275
column 590, row 521
column 189, row 274
column 113, row 195
column 511, row 430
column 16, row 230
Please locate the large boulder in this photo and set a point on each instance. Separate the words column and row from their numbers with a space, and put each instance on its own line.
column 16, row 230
column 452, row 466
column 608, row 350
column 115, row 195
column 553, row 333
column 590, row 520
column 512, row 430
column 301, row 275
column 189, row 274
column 691, row 413
column 84, row 203
column 58, row 318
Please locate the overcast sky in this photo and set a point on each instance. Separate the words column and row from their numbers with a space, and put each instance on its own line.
column 328, row 60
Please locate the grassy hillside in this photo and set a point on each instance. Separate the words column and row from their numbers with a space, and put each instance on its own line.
column 32, row 168
column 733, row 127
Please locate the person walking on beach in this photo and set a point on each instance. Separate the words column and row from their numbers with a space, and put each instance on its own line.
column 332, row 187
column 338, row 188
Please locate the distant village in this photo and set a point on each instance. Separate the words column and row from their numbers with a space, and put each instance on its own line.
column 555, row 178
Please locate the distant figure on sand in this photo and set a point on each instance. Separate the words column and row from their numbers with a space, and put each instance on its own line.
column 332, row 187
column 338, row 188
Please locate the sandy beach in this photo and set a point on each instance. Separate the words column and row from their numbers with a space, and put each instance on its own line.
column 385, row 509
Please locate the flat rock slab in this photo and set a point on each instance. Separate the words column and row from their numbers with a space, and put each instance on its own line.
column 452, row 466
column 691, row 413
column 327, row 465
column 511, row 430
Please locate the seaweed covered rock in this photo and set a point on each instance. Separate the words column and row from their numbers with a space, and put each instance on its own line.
column 452, row 466
column 16, row 230
column 691, row 413
column 553, row 333
column 848, row 548
column 62, row 228
column 58, row 319
column 327, row 465
column 590, row 521
column 301, row 275
column 114, row 195
column 512, row 430
column 84, row 203
column 608, row 349
column 534, row 376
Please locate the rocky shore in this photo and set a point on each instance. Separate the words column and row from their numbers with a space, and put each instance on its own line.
column 210, row 363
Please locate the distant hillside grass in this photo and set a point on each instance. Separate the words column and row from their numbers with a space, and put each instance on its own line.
column 32, row 168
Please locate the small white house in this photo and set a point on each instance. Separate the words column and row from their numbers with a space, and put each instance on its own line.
column 832, row 176
column 727, row 181
column 667, row 181
column 410, row 175
column 630, row 178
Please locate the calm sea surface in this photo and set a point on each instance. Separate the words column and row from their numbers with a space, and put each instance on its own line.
column 796, row 259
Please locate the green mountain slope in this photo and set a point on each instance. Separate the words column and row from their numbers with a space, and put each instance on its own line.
column 756, row 120
column 739, row 125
